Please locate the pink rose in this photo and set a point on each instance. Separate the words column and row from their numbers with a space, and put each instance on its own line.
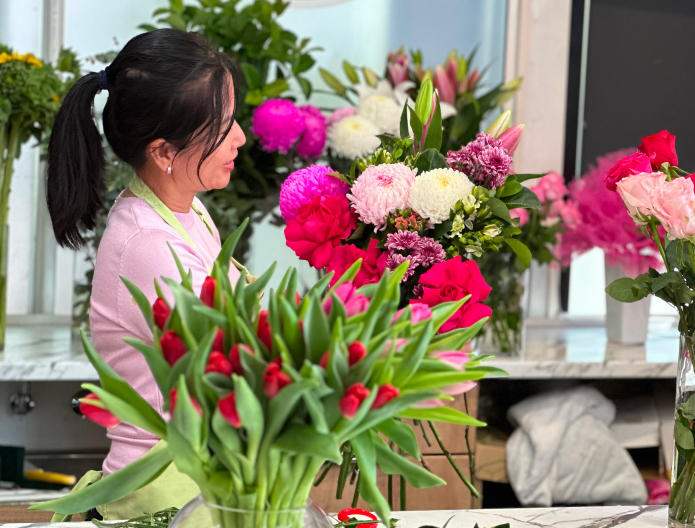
column 320, row 225
column 636, row 163
column 673, row 204
column 660, row 148
column 347, row 293
column 373, row 263
column 567, row 212
column 452, row 280
column 550, row 187
column 521, row 214
column 635, row 192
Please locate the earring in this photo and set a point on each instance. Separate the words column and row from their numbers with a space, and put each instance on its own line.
column 169, row 170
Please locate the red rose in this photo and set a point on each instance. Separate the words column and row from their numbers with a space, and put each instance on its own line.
column 633, row 164
column 161, row 312
column 660, row 148
column 274, row 379
column 227, row 407
column 96, row 414
column 217, row 362
column 385, row 394
column 172, row 347
column 350, row 403
column 452, row 280
column 264, row 332
column 235, row 358
column 173, row 396
column 207, row 292
column 319, row 226
column 218, row 343
column 356, row 351
column 373, row 263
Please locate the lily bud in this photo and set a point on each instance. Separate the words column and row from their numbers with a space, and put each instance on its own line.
column 452, row 67
column 385, row 394
column 217, row 362
column 207, row 292
column 172, row 347
column 264, row 332
column 227, row 407
column 510, row 138
column 444, row 86
column 500, row 124
column 161, row 312
column 371, row 77
column 350, row 403
column 473, row 79
column 173, row 396
column 96, row 414
column 274, row 379
column 235, row 357
column 356, row 352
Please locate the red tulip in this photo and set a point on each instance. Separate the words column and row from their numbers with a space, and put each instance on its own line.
column 96, row 414
column 352, row 399
column 173, row 395
column 218, row 343
column 264, row 332
column 324, row 360
column 356, row 351
column 235, row 357
column 161, row 312
column 172, row 347
column 274, row 379
column 385, row 394
column 227, row 407
column 207, row 292
column 218, row 362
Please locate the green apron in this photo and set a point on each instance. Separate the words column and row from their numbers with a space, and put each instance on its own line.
column 171, row 488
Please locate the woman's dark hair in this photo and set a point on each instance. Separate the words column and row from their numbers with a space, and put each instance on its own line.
column 165, row 84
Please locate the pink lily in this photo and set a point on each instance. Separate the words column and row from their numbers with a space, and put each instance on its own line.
column 473, row 79
column 442, row 82
column 452, row 67
column 511, row 137
column 397, row 65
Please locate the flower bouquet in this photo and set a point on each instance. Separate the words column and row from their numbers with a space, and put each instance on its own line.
column 541, row 230
column 660, row 198
column 259, row 400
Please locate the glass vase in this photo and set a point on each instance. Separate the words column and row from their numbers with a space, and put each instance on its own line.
column 681, row 509
column 200, row 513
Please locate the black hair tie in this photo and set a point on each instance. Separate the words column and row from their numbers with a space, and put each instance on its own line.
column 103, row 84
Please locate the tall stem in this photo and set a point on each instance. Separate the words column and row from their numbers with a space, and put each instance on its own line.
column 453, row 463
column 7, row 169
column 657, row 239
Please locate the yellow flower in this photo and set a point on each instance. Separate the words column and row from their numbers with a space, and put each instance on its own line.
column 56, row 98
column 28, row 58
column 4, row 57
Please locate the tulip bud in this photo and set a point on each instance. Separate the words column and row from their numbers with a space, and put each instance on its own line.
column 356, row 351
column 500, row 124
column 227, row 407
column 235, row 357
column 207, row 292
column 218, row 343
column 96, row 414
column 274, row 379
column 264, row 332
column 173, row 396
column 350, row 403
column 446, row 90
column 323, row 363
column 510, row 138
column 217, row 362
column 385, row 394
column 172, row 347
column 161, row 312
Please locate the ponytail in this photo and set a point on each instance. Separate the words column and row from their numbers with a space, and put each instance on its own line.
column 75, row 183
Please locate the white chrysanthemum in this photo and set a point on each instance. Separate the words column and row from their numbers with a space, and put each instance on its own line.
column 383, row 111
column 353, row 137
column 435, row 193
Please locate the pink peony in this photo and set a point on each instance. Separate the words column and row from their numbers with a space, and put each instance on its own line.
column 303, row 185
column 636, row 194
column 373, row 263
column 673, row 204
column 319, row 227
column 279, row 124
column 314, row 137
column 452, row 280
column 550, row 187
column 339, row 114
column 347, row 293
column 635, row 163
column 521, row 214
column 380, row 190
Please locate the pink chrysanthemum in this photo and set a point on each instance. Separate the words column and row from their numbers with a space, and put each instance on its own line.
column 380, row 190
column 402, row 240
column 418, row 290
column 314, row 137
column 396, row 259
column 339, row 114
column 279, row 124
column 483, row 160
column 301, row 186
column 428, row 252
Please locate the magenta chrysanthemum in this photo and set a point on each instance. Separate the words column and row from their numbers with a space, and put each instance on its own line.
column 428, row 252
column 418, row 290
column 483, row 160
column 402, row 240
column 314, row 137
column 279, row 124
column 396, row 259
column 380, row 190
column 301, row 186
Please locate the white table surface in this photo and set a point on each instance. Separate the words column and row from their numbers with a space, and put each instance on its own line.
column 594, row 517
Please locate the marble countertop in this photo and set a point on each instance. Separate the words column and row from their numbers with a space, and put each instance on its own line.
column 552, row 350
column 594, row 517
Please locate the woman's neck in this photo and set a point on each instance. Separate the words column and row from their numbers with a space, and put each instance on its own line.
column 175, row 198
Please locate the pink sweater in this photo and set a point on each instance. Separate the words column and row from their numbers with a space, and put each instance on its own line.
column 135, row 246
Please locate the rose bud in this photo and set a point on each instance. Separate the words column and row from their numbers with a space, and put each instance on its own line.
column 227, row 407
column 235, row 357
column 356, row 351
column 218, row 343
column 172, row 347
column 385, row 394
column 161, row 312
column 217, row 362
column 173, row 395
column 96, row 414
column 352, row 399
column 274, row 379
column 207, row 292
column 264, row 333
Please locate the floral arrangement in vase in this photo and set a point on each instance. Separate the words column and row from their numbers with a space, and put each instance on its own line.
column 660, row 198
column 259, row 400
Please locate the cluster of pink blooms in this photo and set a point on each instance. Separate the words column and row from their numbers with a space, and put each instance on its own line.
column 281, row 125
column 303, row 185
column 486, row 160
column 446, row 81
column 419, row 251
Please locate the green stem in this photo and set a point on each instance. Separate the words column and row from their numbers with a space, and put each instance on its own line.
column 471, row 454
column 404, row 506
column 9, row 153
column 356, row 495
column 390, row 491
column 424, row 433
column 451, row 460
column 319, row 480
column 656, row 238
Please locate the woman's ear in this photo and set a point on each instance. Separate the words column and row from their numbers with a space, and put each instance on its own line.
column 162, row 153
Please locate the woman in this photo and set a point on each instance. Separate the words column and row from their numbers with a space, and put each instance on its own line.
column 170, row 114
